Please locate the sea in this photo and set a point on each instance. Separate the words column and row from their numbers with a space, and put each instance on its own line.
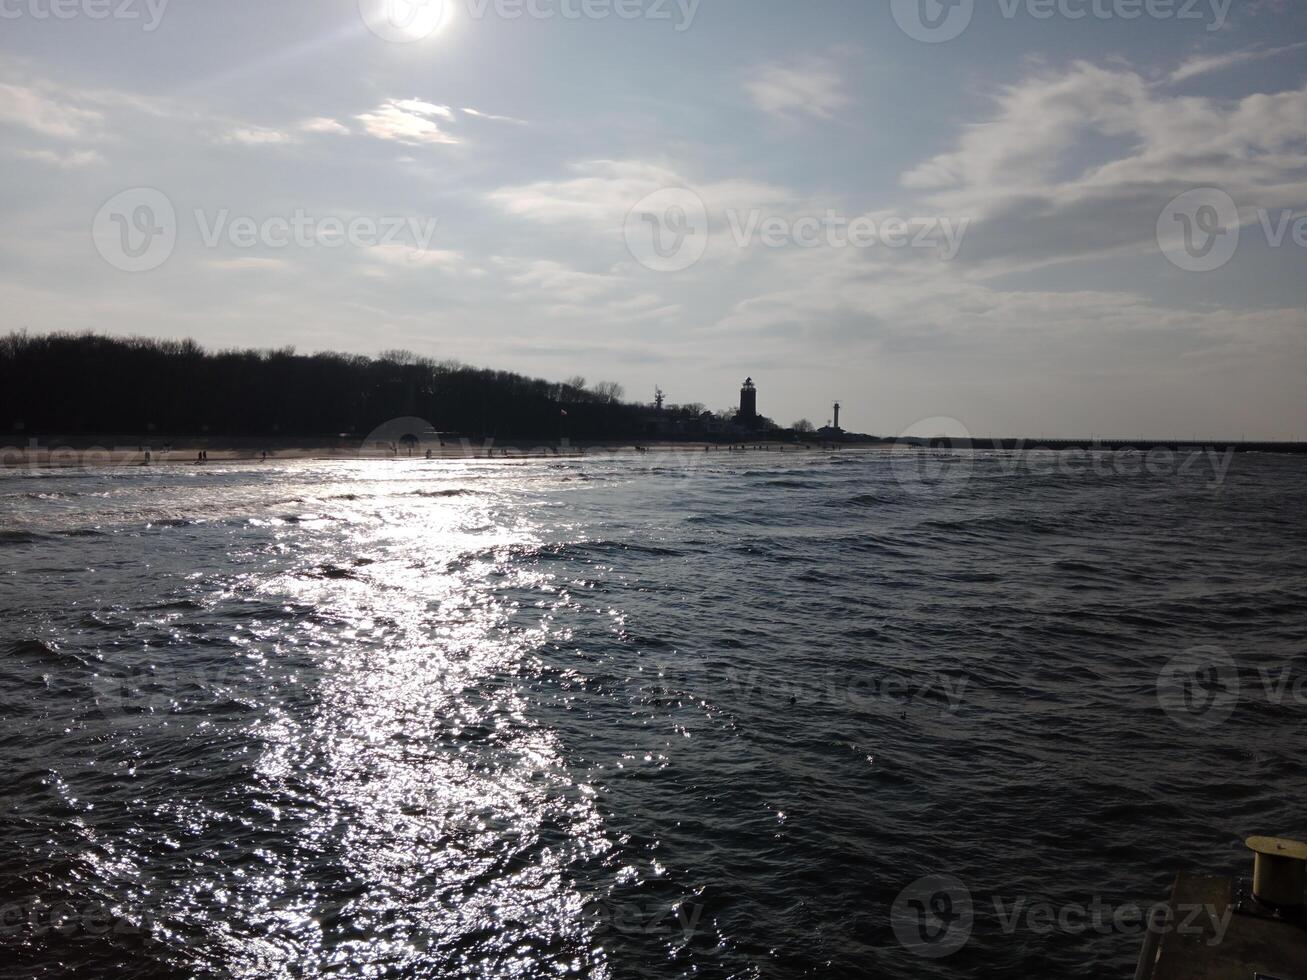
column 678, row 714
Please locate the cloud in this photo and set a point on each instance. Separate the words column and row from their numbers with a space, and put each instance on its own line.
column 51, row 116
column 68, row 161
column 399, row 256
column 408, row 121
column 559, row 281
column 322, row 124
column 476, row 113
column 1082, row 162
column 1203, row 65
column 603, row 192
column 256, row 136
column 814, row 89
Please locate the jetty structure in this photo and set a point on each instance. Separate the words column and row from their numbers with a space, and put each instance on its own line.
column 1266, row 935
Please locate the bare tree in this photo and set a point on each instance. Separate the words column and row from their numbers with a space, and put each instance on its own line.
column 803, row 427
column 609, row 392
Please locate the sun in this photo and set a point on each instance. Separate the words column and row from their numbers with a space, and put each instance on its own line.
column 404, row 20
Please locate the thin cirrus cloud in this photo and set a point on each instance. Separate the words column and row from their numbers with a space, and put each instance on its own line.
column 813, row 89
column 1204, row 65
column 478, row 114
column 49, row 115
column 601, row 193
column 66, row 161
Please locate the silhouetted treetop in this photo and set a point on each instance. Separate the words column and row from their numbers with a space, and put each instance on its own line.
column 90, row 384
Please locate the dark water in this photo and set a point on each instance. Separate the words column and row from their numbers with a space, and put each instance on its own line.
column 635, row 716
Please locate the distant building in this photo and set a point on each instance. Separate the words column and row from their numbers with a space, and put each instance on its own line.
column 832, row 430
column 748, row 403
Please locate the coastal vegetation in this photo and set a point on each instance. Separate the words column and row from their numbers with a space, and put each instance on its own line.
column 87, row 384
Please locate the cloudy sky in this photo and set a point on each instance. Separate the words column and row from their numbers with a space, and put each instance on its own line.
column 924, row 210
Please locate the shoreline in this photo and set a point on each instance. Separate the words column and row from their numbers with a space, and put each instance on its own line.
column 89, row 453
column 186, row 452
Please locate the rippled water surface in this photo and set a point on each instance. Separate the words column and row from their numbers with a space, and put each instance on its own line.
column 633, row 716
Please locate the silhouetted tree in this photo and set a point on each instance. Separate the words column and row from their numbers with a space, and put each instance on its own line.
column 90, row 384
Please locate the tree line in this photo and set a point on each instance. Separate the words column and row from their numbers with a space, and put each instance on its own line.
column 88, row 384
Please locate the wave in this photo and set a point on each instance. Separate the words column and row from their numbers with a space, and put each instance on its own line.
column 456, row 492
column 20, row 538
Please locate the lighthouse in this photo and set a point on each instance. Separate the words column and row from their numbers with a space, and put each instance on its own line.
column 748, row 402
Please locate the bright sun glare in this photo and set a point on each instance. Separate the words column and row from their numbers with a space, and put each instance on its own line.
column 404, row 20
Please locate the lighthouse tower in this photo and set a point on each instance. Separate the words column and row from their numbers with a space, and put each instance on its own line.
column 748, row 402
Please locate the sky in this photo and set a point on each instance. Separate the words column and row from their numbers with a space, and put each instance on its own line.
column 1060, row 218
